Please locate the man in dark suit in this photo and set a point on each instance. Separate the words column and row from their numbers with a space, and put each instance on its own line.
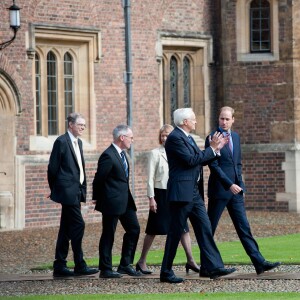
column 67, row 182
column 185, row 165
column 226, row 189
column 114, row 200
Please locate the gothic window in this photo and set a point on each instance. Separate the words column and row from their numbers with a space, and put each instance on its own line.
column 260, row 36
column 64, row 80
column 177, row 78
column 173, row 85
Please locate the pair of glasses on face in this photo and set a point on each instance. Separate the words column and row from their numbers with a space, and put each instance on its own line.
column 129, row 137
column 80, row 125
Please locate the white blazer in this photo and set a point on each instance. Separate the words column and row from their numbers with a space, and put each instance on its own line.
column 158, row 170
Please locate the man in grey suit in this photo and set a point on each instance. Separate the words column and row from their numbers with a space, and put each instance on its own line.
column 67, row 182
column 114, row 200
column 226, row 188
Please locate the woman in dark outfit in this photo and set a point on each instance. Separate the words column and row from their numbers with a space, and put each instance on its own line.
column 159, row 218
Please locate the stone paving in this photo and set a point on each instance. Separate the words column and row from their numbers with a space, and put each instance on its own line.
column 23, row 251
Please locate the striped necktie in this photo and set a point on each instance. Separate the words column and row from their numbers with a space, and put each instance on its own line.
column 124, row 163
column 227, row 134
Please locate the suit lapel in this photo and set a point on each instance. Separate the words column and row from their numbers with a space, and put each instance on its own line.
column 186, row 140
column 71, row 146
column 235, row 144
column 228, row 150
column 162, row 152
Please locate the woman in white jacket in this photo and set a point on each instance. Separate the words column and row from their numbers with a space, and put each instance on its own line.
column 159, row 217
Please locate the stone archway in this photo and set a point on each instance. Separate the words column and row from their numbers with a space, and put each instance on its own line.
column 8, row 110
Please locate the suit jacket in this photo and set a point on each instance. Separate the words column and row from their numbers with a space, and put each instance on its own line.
column 158, row 170
column 64, row 173
column 226, row 170
column 185, row 166
column 110, row 185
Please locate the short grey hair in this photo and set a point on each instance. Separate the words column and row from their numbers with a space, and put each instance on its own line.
column 182, row 114
column 120, row 130
column 72, row 117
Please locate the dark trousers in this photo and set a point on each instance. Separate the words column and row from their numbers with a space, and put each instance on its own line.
column 196, row 212
column 71, row 228
column 237, row 212
column 131, row 226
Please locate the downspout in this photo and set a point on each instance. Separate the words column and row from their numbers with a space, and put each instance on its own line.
column 128, row 79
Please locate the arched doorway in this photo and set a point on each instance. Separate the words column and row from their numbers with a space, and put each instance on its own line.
column 8, row 109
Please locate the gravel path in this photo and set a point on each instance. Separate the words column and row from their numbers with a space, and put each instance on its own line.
column 21, row 251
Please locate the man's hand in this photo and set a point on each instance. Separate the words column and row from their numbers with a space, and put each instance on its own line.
column 152, row 204
column 218, row 141
column 235, row 189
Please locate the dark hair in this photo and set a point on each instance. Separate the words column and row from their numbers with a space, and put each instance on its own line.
column 72, row 117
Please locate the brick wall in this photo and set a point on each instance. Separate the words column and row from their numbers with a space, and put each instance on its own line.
column 254, row 89
column 264, row 178
column 262, row 95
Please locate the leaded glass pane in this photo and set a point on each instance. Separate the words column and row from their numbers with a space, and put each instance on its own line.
column 52, row 93
column 186, row 82
column 260, row 37
column 265, row 24
column 173, row 86
column 68, row 85
column 38, row 95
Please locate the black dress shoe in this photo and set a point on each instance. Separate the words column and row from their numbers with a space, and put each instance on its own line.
column 62, row 272
column 110, row 274
column 204, row 273
column 129, row 270
column 190, row 267
column 221, row 272
column 266, row 266
column 171, row 279
column 139, row 268
column 85, row 271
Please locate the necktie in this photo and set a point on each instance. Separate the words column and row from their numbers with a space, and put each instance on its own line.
column 124, row 163
column 78, row 155
column 227, row 134
column 191, row 140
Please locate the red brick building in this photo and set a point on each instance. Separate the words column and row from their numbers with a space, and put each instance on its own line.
column 71, row 56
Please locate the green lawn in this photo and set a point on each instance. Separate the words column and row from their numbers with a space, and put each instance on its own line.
column 277, row 248
column 181, row 296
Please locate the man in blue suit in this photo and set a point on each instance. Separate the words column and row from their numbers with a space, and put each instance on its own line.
column 226, row 189
column 67, row 182
column 185, row 168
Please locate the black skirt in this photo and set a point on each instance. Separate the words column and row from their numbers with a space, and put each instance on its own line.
column 158, row 223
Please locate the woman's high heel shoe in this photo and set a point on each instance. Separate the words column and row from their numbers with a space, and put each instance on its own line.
column 145, row 272
column 190, row 267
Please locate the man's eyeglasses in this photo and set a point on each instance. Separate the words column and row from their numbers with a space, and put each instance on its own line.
column 80, row 125
column 130, row 137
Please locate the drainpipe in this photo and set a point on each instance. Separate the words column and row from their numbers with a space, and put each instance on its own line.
column 128, row 79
